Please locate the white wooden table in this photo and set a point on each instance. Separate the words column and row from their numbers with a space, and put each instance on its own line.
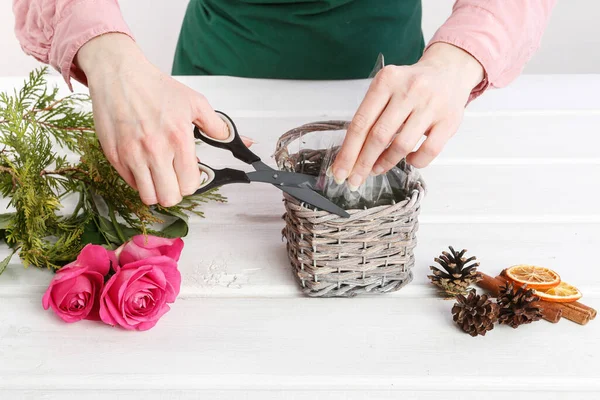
column 518, row 184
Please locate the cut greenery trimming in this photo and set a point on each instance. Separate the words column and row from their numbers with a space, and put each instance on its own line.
column 38, row 131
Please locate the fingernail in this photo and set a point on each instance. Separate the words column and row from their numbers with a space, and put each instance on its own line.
column 354, row 182
column 377, row 170
column 340, row 176
column 246, row 138
column 329, row 172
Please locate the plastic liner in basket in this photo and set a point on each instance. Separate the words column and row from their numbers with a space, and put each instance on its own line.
column 316, row 151
column 371, row 252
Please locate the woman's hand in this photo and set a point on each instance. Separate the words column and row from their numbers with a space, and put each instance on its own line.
column 144, row 119
column 427, row 98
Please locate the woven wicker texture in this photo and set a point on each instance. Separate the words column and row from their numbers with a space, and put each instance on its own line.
column 370, row 252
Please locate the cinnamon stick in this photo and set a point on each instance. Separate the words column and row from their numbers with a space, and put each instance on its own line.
column 573, row 311
column 576, row 315
column 550, row 311
column 582, row 308
column 490, row 284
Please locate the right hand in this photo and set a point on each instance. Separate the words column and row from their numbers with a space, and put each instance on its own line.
column 144, row 118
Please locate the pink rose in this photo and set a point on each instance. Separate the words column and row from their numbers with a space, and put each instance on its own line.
column 141, row 247
column 136, row 296
column 75, row 289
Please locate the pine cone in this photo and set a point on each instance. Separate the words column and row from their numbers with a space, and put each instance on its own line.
column 475, row 314
column 457, row 275
column 515, row 306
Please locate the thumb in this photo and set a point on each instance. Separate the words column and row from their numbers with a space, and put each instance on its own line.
column 205, row 118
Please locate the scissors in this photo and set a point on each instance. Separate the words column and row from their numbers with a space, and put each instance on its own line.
column 300, row 186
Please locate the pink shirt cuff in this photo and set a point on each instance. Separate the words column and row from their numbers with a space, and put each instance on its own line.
column 501, row 35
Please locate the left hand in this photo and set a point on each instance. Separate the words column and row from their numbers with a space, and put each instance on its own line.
column 427, row 98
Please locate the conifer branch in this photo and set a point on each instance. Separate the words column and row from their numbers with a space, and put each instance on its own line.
column 36, row 126
column 63, row 171
column 12, row 172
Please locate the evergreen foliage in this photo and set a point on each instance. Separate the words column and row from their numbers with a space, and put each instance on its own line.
column 40, row 136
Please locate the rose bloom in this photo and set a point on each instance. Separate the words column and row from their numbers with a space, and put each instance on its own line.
column 141, row 247
column 137, row 295
column 75, row 289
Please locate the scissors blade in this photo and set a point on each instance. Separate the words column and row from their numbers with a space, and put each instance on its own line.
column 283, row 178
column 315, row 199
column 298, row 185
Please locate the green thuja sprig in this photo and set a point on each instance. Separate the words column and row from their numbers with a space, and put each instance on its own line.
column 49, row 152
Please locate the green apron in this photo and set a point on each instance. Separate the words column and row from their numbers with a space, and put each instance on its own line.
column 297, row 39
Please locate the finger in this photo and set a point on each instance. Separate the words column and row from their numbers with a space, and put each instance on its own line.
column 127, row 175
column 378, row 139
column 414, row 128
column 143, row 181
column 370, row 109
column 106, row 137
column 185, row 164
column 247, row 141
column 165, row 181
column 114, row 158
column 207, row 119
column 437, row 138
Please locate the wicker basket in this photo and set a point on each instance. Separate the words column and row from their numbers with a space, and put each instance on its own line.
column 370, row 252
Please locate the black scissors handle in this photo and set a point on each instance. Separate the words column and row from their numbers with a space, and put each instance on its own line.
column 297, row 185
column 214, row 178
column 218, row 177
column 233, row 143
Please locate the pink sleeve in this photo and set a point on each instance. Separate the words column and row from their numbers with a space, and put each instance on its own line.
column 52, row 31
column 501, row 34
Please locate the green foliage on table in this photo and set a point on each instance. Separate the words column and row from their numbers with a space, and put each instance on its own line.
column 37, row 130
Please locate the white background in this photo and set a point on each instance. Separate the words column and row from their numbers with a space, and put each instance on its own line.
column 571, row 43
column 241, row 330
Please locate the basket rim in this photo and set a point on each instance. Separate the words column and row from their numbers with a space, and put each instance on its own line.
column 417, row 194
column 282, row 154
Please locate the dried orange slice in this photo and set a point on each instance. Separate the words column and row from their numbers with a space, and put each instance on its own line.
column 563, row 293
column 535, row 277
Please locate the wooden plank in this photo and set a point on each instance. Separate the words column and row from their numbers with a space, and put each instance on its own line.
column 487, row 139
column 462, row 193
column 509, row 190
column 235, row 259
column 294, row 344
column 532, row 94
column 530, row 192
column 308, row 394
